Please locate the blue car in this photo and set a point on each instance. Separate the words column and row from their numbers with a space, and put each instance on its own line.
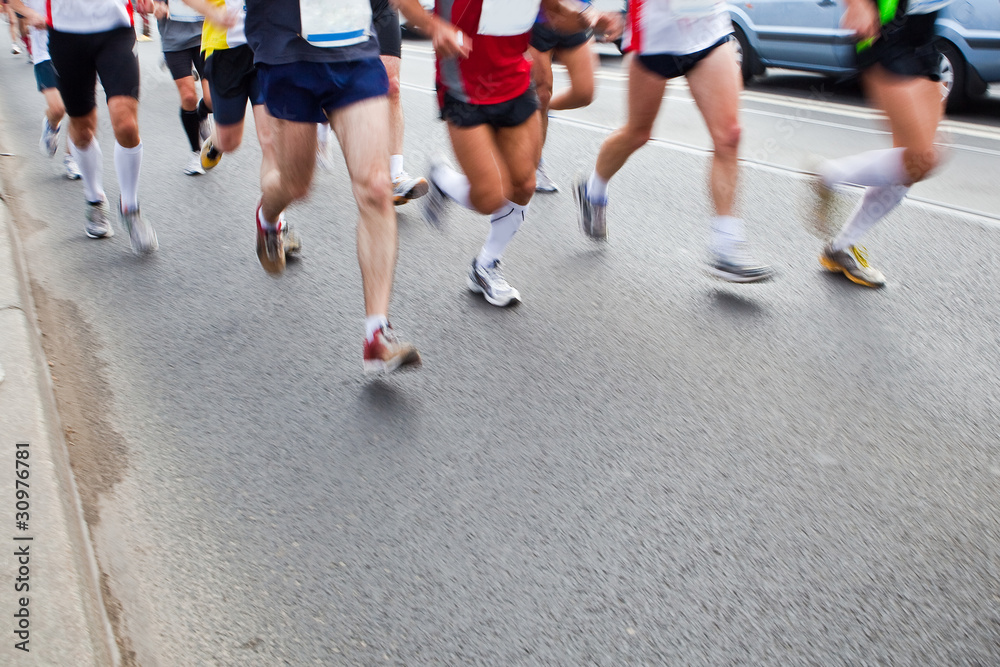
column 806, row 35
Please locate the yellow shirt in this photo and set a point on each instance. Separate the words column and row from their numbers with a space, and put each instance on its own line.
column 215, row 37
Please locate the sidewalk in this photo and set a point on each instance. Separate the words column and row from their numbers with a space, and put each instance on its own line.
column 50, row 602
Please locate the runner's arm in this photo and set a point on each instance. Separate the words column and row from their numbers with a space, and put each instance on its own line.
column 33, row 18
column 571, row 16
column 447, row 39
column 861, row 17
column 214, row 13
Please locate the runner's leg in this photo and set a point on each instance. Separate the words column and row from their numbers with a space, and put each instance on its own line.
column 361, row 130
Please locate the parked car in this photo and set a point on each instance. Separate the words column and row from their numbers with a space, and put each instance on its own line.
column 806, row 35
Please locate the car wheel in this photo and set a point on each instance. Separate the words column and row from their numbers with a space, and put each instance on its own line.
column 952, row 66
column 744, row 54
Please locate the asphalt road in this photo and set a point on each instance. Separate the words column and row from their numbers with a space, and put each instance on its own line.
column 638, row 465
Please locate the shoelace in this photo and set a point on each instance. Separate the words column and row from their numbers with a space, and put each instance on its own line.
column 495, row 275
column 860, row 254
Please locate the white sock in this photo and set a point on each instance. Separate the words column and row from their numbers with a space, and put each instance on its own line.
column 597, row 189
column 881, row 167
column 874, row 206
column 453, row 184
column 91, row 163
column 395, row 166
column 265, row 223
column 128, row 161
column 373, row 323
column 727, row 232
column 504, row 223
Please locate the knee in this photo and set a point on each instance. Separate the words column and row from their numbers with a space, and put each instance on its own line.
column 486, row 201
column 127, row 131
column 920, row 163
column 522, row 190
column 373, row 193
column 189, row 100
column 636, row 137
column 228, row 141
column 56, row 112
column 727, row 140
column 393, row 89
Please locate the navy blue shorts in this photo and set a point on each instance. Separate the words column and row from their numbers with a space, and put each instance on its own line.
column 672, row 65
column 232, row 80
column 544, row 38
column 306, row 92
column 45, row 75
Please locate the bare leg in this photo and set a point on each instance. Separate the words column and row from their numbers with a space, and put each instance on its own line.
column 396, row 122
column 289, row 174
column 520, row 147
column 915, row 107
column 541, row 74
column 480, row 158
column 361, row 129
column 715, row 86
column 645, row 95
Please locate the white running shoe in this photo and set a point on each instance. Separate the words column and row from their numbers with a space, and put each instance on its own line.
column 406, row 187
column 49, row 143
column 542, row 181
column 71, row 167
column 194, row 167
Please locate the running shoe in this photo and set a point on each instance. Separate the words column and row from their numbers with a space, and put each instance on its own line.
column 49, row 143
column 738, row 266
column 489, row 281
column 292, row 242
column 385, row 353
column 194, row 167
column 592, row 216
column 98, row 225
column 140, row 232
column 405, row 188
column 542, row 181
column 270, row 245
column 435, row 201
column 143, row 38
column 15, row 49
column 853, row 263
column 71, row 168
column 210, row 155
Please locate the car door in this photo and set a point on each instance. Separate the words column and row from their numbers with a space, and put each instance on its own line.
column 800, row 34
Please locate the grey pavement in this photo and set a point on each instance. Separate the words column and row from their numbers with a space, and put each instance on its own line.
column 52, row 608
column 637, row 466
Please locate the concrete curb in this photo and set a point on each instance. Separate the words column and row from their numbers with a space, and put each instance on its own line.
column 67, row 623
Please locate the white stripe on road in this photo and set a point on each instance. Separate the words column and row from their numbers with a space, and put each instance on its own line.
column 979, row 217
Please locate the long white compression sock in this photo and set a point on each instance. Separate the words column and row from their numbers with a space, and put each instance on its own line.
column 504, row 223
column 875, row 205
column 91, row 163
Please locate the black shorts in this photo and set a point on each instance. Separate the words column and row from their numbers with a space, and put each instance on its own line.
column 544, row 38
column 45, row 75
column 390, row 38
column 905, row 47
column 503, row 114
column 80, row 58
column 672, row 65
column 180, row 62
column 232, row 80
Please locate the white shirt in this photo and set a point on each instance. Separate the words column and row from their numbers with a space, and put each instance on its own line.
column 87, row 16
column 678, row 27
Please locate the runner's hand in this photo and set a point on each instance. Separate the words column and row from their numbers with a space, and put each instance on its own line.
column 449, row 41
column 609, row 26
column 226, row 18
column 161, row 10
column 144, row 6
column 862, row 19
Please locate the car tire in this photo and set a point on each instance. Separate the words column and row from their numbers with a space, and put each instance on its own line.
column 953, row 75
column 744, row 54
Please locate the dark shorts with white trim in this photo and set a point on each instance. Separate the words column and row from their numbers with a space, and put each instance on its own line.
column 672, row 65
